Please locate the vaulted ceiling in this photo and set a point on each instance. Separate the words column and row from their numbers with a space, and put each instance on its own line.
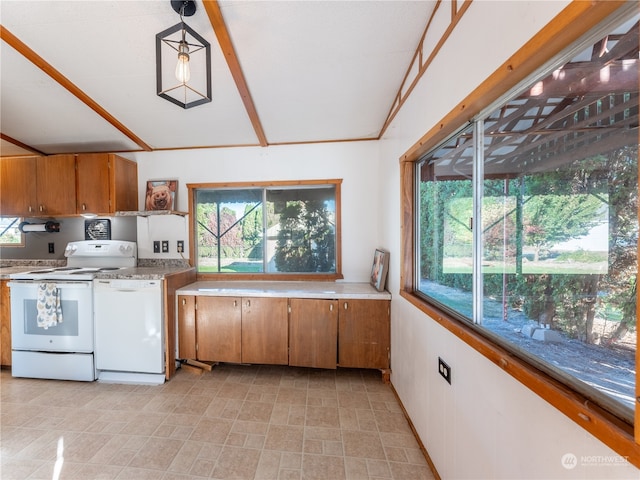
column 81, row 76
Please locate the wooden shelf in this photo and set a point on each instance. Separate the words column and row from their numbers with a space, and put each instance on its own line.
column 150, row 213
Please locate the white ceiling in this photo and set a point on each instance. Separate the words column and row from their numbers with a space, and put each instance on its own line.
column 315, row 70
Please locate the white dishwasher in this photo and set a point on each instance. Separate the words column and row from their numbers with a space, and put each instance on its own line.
column 129, row 331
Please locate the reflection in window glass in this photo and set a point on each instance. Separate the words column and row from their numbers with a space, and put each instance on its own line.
column 445, row 226
column 266, row 230
column 559, row 219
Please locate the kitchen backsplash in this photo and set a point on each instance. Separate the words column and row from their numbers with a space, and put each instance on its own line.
column 71, row 229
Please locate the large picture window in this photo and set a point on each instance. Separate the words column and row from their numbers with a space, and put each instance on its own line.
column 527, row 221
column 279, row 229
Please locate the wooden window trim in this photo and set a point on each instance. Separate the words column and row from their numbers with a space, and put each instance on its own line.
column 576, row 20
column 337, row 183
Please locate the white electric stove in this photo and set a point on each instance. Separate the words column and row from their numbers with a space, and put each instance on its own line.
column 85, row 259
column 59, row 343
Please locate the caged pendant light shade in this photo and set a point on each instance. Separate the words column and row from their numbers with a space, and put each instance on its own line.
column 183, row 62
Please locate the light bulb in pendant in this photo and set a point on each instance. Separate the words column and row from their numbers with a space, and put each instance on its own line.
column 183, row 72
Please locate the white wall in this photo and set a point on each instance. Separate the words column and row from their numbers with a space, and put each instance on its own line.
column 486, row 424
column 356, row 163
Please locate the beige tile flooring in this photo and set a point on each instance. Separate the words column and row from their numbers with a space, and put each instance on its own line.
column 235, row 422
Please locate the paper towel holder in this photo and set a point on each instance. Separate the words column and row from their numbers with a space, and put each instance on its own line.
column 50, row 227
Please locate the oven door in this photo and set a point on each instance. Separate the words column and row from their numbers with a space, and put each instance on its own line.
column 73, row 334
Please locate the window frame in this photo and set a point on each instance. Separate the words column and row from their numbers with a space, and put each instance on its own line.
column 577, row 20
column 337, row 275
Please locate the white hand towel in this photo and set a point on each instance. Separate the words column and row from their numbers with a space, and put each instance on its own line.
column 48, row 305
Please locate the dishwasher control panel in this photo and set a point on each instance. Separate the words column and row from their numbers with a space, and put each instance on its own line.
column 127, row 284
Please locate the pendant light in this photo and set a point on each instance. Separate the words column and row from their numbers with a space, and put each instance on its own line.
column 183, row 56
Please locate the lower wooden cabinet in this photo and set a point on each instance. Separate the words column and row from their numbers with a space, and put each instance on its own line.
column 5, row 323
column 265, row 337
column 233, row 329
column 218, row 329
column 313, row 333
column 306, row 332
column 364, row 333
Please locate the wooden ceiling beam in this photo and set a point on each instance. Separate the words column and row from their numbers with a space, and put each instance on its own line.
column 64, row 82
column 222, row 34
column 18, row 143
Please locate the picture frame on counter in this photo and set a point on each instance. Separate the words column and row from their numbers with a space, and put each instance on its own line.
column 379, row 269
column 160, row 195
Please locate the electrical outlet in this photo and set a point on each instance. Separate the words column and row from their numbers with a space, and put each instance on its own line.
column 180, row 246
column 445, row 370
column 52, row 248
column 165, row 246
column 156, row 246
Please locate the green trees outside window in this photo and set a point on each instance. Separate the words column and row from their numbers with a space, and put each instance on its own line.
column 554, row 172
column 270, row 229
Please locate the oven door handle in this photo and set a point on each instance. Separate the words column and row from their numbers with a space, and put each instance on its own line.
column 60, row 285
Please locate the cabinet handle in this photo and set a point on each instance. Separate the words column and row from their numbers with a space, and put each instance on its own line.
column 346, row 305
column 30, row 209
column 331, row 307
column 184, row 301
column 248, row 303
column 84, row 206
column 235, row 303
column 41, row 208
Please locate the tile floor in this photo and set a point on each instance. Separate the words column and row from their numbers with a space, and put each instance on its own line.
column 235, row 422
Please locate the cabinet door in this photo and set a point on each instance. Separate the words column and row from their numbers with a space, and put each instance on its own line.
column 123, row 184
column 313, row 333
column 218, row 329
column 56, row 184
column 18, row 186
column 187, row 327
column 265, row 332
column 364, row 333
column 92, row 183
column 5, row 323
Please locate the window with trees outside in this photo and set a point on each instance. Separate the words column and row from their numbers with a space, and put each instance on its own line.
column 527, row 221
column 272, row 229
column 10, row 234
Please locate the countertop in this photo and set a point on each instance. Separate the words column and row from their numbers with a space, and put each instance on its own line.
column 157, row 272
column 321, row 290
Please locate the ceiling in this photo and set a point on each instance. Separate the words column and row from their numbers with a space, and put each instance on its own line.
column 80, row 76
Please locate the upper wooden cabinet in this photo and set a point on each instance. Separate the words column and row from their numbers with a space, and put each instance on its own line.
column 105, row 183
column 64, row 185
column 38, row 186
column 56, row 183
column 18, row 186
